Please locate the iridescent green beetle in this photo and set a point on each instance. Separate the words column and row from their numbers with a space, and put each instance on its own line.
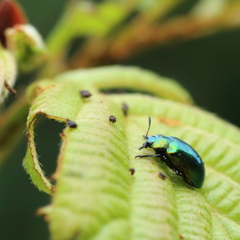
column 178, row 155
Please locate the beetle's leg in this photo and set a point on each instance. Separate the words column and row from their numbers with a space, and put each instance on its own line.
column 162, row 156
column 178, row 172
column 166, row 160
column 144, row 156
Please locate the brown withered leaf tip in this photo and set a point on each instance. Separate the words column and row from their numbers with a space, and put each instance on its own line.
column 85, row 93
column 112, row 119
column 11, row 14
column 181, row 236
column 125, row 109
column 162, row 175
column 132, row 171
column 10, row 89
column 71, row 124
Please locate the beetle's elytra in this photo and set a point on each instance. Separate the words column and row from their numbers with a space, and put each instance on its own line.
column 178, row 155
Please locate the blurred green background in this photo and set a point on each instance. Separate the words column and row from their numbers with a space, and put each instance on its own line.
column 208, row 67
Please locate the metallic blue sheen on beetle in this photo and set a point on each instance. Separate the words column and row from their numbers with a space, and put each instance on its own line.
column 178, row 155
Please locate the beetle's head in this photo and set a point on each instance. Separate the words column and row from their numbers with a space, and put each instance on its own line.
column 147, row 143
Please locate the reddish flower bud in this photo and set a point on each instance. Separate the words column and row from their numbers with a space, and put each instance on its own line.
column 10, row 14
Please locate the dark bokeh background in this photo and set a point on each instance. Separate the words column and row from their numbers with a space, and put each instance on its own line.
column 207, row 67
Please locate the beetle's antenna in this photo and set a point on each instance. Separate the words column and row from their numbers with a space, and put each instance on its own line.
column 149, row 125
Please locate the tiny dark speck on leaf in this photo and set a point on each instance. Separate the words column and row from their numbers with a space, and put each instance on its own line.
column 132, row 171
column 85, row 93
column 162, row 175
column 181, row 236
column 125, row 109
column 71, row 124
column 112, row 119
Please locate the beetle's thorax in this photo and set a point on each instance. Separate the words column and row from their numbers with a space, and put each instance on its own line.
column 156, row 142
column 159, row 142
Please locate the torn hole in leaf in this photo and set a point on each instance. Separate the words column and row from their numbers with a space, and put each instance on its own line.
column 48, row 141
column 31, row 161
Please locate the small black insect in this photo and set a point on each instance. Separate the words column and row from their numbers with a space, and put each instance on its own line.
column 85, row 93
column 71, row 124
column 162, row 175
column 132, row 171
column 112, row 119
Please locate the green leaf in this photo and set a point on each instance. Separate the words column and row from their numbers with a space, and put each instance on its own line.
column 96, row 197
column 129, row 78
